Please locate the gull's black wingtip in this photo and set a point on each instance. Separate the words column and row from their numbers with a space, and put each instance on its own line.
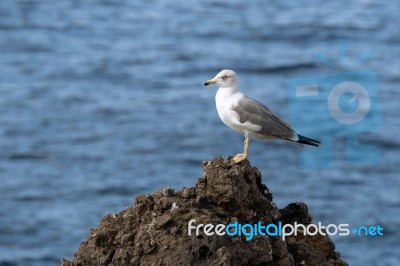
column 308, row 141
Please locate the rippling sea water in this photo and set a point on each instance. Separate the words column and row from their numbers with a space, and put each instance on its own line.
column 103, row 100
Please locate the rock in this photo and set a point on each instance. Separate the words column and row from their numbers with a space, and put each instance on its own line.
column 154, row 231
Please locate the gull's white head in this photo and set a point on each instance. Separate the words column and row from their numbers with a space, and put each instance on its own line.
column 226, row 78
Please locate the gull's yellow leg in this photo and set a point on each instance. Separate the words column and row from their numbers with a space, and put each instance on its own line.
column 243, row 156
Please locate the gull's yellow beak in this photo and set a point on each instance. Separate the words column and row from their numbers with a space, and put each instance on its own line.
column 209, row 82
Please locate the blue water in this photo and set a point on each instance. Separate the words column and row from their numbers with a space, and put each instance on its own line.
column 103, row 100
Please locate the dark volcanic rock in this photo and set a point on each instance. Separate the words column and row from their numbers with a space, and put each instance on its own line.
column 154, row 231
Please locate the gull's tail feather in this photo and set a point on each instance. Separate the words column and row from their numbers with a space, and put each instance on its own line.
column 307, row 141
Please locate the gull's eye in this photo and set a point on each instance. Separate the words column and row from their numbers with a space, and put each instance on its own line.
column 224, row 77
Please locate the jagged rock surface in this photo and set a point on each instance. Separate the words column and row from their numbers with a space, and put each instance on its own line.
column 154, row 231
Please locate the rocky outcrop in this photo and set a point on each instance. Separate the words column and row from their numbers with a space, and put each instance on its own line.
column 154, row 231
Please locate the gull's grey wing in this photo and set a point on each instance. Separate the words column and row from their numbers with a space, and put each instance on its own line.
column 256, row 113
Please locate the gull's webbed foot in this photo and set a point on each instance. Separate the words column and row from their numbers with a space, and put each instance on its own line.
column 239, row 157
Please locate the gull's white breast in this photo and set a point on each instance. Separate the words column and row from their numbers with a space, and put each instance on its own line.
column 226, row 99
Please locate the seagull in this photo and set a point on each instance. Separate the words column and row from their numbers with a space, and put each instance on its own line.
column 246, row 115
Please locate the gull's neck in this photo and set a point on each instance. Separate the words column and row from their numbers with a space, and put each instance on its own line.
column 227, row 91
